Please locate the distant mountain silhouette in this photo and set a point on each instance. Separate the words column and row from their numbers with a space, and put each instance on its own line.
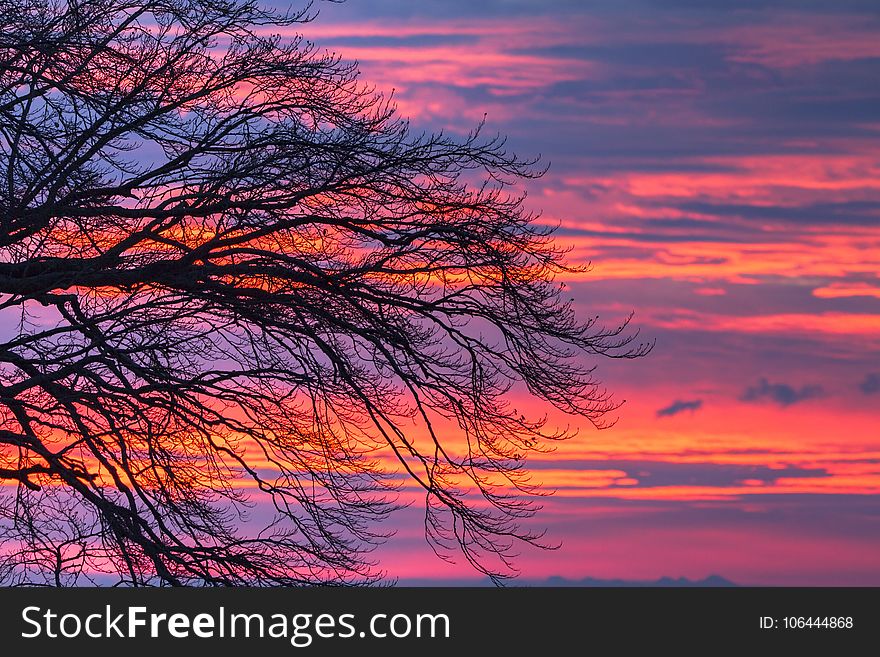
column 710, row 581
column 587, row 582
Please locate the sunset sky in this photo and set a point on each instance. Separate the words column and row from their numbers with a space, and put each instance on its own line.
column 719, row 169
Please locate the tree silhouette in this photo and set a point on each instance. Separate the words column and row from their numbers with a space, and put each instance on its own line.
column 246, row 309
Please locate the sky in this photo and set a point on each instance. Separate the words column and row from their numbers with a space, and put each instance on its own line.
column 717, row 164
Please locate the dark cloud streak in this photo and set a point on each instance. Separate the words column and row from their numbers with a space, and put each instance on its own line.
column 781, row 393
column 654, row 474
column 679, row 406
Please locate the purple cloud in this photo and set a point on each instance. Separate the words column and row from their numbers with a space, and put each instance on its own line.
column 871, row 384
column 781, row 393
column 679, row 406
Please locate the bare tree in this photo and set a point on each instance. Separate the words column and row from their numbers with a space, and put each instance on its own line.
column 232, row 279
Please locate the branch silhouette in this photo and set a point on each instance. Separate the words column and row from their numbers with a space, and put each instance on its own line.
column 232, row 278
